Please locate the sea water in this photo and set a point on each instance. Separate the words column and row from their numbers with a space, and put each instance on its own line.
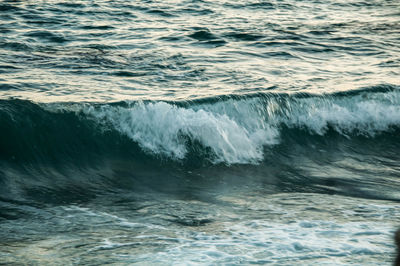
column 188, row 132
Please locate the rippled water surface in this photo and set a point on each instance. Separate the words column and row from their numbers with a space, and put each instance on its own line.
column 199, row 132
column 118, row 50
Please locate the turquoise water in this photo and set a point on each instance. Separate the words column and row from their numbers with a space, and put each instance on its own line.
column 199, row 132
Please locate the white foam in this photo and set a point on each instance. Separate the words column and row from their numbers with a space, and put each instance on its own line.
column 163, row 128
column 237, row 130
column 365, row 114
column 285, row 243
column 284, row 230
column 256, row 228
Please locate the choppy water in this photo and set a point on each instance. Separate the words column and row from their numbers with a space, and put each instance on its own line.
column 199, row 132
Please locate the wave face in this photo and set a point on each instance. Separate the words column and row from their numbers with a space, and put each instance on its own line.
column 166, row 129
column 238, row 128
column 230, row 129
column 84, row 146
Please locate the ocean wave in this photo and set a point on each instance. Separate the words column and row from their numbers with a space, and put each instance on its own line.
column 165, row 128
column 66, row 151
column 229, row 129
column 236, row 129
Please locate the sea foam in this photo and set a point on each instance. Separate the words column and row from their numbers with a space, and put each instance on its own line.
column 237, row 129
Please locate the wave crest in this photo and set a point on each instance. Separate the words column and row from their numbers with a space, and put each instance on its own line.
column 165, row 128
column 231, row 129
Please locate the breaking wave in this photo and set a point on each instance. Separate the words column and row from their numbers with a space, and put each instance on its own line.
column 229, row 129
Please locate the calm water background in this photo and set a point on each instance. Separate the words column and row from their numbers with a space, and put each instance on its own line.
column 199, row 132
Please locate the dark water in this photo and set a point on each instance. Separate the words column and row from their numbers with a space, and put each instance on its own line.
column 199, row 132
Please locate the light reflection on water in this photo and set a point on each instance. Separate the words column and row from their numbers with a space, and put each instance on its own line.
column 70, row 190
column 112, row 51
